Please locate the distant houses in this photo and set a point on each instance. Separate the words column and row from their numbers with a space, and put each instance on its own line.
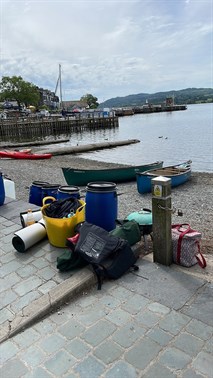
column 75, row 106
column 50, row 100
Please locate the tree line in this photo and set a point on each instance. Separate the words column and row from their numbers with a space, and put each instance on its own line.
column 183, row 96
column 25, row 93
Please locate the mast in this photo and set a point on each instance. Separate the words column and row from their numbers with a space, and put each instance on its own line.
column 60, row 88
column 61, row 102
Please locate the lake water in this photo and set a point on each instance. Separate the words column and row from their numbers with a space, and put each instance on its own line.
column 173, row 137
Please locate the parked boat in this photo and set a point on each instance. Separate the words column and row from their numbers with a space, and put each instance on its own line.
column 178, row 174
column 23, row 155
column 122, row 174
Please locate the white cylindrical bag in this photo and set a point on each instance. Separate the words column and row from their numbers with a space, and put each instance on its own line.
column 29, row 236
column 37, row 215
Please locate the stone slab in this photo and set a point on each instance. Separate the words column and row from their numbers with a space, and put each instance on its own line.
column 48, row 302
column 163, row 284
column 201, row 306
column 12, row 209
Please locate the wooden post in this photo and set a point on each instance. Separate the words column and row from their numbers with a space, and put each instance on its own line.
column 161, row 220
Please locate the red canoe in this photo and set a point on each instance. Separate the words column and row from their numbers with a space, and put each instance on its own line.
column 23, row 155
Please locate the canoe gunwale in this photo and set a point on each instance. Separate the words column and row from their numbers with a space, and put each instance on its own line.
column 119, row 174
column 104, row 170
column 167, row 173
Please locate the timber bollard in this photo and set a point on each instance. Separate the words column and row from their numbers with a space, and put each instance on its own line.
column 161, row 220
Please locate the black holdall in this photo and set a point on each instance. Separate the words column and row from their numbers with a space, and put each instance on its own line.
column 109, row 255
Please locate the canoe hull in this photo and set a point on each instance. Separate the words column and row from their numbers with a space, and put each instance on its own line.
column 83, row 176
column 23, row 155
column 179, row 176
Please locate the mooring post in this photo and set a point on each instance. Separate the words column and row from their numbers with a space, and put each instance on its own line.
column 161, row 220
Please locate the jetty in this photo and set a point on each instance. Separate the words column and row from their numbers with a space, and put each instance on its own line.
column 29, row 129
column 146, row 109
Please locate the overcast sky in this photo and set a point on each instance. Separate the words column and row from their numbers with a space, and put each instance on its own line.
column 108, row 48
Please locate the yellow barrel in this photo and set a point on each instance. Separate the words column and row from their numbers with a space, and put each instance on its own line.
column 59, row 229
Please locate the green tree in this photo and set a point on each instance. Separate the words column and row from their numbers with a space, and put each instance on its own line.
column 90, row 100
column 16, row 89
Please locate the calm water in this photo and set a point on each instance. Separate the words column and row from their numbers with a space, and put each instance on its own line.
column 172, row 137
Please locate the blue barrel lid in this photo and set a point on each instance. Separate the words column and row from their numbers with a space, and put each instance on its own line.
column 40, row 183
column 50, row 186
column 101, row 186
column 68, row 189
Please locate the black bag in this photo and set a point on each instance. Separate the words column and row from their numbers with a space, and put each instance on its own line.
column 128, row 230
column 109, row 255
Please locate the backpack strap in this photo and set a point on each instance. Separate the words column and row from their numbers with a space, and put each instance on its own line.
column 135, row 268
column 100, row 269
column 99, row 272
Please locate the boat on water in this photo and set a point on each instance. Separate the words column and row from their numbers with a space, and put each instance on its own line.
column 23, row 155
column 122, row 174
column 179, row 174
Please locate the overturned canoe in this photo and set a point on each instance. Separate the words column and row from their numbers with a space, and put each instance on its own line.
column 23, row 155
column 178, row 174
column 122, row 174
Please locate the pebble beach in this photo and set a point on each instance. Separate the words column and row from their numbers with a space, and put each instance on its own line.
column 194, row 198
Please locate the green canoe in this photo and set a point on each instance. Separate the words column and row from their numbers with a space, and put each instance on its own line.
column 123, row 174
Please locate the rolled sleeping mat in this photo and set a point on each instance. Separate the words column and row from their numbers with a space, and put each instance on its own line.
column 37, row 215
column 29, row 236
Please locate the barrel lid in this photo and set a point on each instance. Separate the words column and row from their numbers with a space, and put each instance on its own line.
column 51, row 186
column 101, row 186
column 68, row 188
column 40, row 183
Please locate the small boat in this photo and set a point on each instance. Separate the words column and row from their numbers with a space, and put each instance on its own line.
column 122, row 174
column 23, row 155
column 178, row 174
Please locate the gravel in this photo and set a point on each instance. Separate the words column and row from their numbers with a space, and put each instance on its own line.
column 194, row 198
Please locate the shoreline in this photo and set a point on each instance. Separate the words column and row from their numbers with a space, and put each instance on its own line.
column 194, row 198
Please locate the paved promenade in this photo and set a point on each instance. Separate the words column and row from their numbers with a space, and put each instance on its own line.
column 156, row 322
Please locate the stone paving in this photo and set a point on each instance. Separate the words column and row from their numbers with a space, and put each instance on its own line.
column 156, row 322
column 25, row 277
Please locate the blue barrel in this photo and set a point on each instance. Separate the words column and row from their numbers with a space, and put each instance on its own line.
column 2, row 191
column 35, row 195
column 50, row 190
column 68, row 191
column 101, row 204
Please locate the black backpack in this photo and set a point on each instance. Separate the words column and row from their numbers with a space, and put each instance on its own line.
column 109, row 255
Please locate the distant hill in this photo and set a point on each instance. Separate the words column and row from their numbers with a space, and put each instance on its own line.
column 183, row 96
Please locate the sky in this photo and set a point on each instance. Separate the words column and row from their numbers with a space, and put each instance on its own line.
column 108, row 48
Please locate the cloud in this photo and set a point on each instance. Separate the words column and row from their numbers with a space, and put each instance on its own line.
column 108, row 48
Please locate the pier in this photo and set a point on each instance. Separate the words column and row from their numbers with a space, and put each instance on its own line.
column 146, row 109
column 30, row 128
